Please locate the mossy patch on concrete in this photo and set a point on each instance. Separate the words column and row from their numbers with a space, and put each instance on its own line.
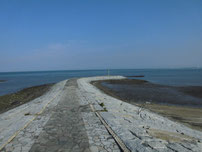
column 102, row 104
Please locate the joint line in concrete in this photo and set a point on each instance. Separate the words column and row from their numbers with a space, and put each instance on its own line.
column 116, row 138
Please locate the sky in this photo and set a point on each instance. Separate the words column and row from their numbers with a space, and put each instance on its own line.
column 99, row 34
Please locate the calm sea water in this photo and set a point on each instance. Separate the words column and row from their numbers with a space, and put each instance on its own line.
column 19, row 80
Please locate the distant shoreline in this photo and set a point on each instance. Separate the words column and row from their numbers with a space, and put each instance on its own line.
column 135, row 76
column 19, row 80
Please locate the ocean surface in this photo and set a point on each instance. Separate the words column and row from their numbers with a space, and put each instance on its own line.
column 16, row 81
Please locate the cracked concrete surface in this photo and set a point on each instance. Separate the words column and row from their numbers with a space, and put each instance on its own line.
column 141, row 130
column 65, row 125
column 65, row 129
column 68, row 124
column 13, row 122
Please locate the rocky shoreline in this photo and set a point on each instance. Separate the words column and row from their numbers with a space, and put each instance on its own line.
column 13, row 100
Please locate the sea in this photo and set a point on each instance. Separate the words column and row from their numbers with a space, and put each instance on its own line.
column 16, row 81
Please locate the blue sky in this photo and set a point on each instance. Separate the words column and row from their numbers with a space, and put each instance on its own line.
column 99, row 34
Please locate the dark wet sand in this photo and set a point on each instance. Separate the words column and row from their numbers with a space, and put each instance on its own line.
column 2, row 80
column 13, row 100
column 182, row 104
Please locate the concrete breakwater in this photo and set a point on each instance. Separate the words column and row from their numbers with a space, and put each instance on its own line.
column 140, row 129
column 63, row 120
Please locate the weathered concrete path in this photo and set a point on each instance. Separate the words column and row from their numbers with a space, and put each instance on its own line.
column 63, row 121
column 20, row 126
column 139, row 129
column 65, row 130
column 63, row 124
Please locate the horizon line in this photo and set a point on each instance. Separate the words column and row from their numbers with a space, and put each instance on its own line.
column 102, row 69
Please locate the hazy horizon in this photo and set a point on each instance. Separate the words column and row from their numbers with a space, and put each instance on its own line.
column 78, row 35
column 181, row 68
